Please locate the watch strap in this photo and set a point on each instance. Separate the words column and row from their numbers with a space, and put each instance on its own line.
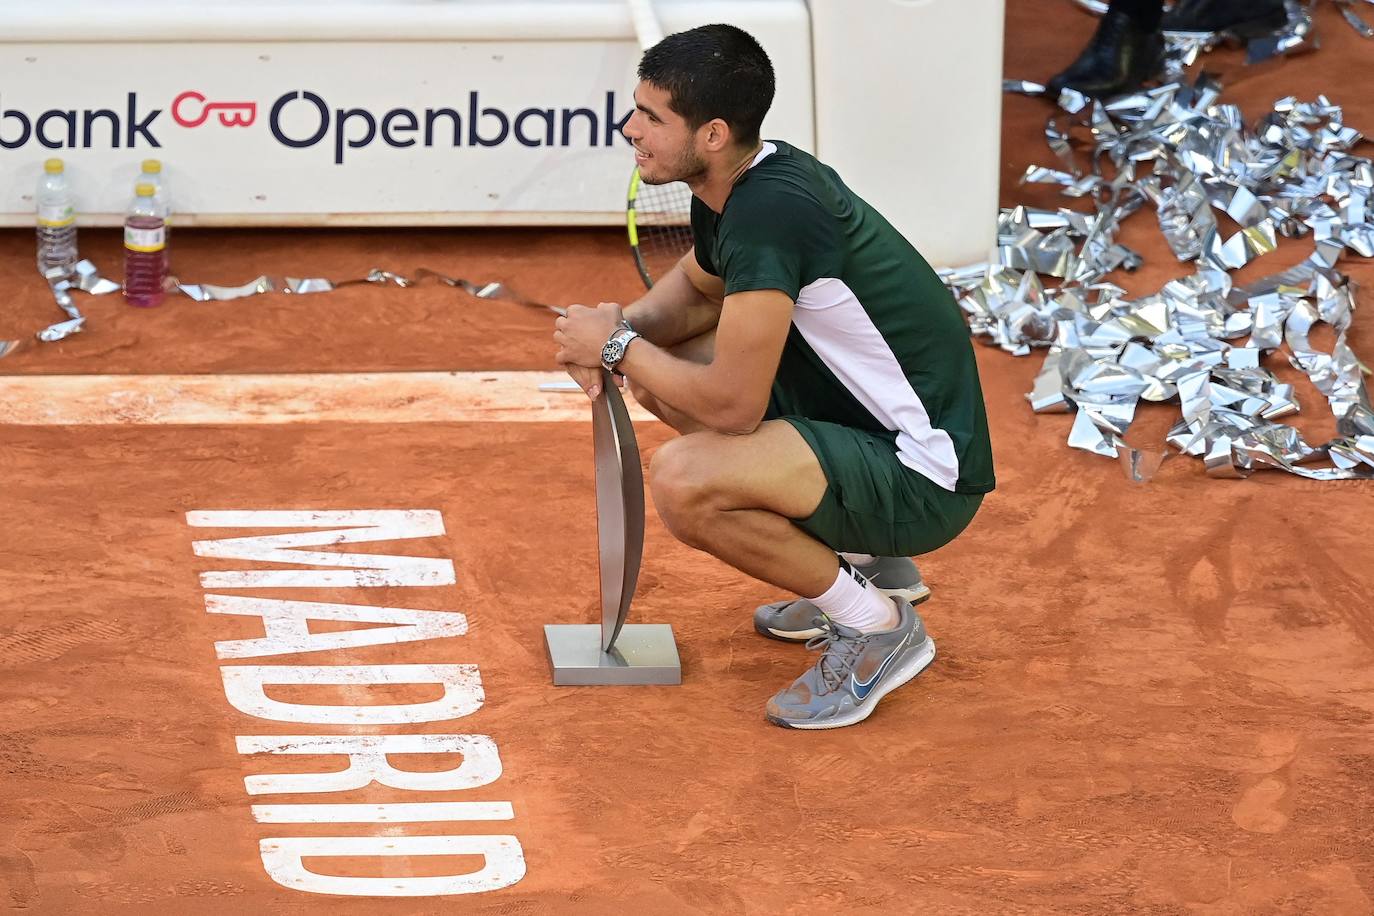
column 621, row 335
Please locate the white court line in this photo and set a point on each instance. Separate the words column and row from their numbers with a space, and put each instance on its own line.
column 362, row 397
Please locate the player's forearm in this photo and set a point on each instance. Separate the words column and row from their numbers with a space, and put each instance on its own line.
column 672, row 311
column 703, row 393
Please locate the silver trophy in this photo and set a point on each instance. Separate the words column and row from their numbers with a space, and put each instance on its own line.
column 615, row 652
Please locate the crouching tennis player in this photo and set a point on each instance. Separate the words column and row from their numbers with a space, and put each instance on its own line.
column 819, row 372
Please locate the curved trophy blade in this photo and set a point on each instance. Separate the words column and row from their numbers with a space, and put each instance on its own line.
column 610, row 512
column 632, row 501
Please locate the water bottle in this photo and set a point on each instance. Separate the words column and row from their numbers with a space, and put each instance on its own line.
column 145, row 247
column 152, row 174
column 56, row 222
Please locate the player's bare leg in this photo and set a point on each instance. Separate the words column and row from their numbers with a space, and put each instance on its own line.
column 735, row 497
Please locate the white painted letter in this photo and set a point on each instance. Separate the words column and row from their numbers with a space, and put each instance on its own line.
column 463, row 695
column 394, row 813
column 360, row 570
column 288, row 629
column 503, row 866
column 367, row 762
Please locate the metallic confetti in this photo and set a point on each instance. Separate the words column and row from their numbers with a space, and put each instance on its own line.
column 86, row 278
column 1347, row 8
column 1023, row 87
column 1200, row 341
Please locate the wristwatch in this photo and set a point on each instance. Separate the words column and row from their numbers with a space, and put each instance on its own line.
column 614, row 349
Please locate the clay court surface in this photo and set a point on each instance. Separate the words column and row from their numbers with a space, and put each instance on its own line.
column 1149, row 698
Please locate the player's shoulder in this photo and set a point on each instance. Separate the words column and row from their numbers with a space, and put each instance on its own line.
column 777, row 166
column 779, row 186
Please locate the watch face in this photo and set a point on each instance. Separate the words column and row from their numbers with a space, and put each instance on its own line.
column 610, row 353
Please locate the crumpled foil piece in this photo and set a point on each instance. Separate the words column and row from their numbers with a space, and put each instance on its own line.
column 1295, row 36
column 206, row 292
column 1347, row 8
column 62, row 329
column 1023, row 87
column 1201, row 340
column 1096, row 7
column 86, row 278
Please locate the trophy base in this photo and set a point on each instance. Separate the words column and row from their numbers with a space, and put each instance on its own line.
column 644, row 653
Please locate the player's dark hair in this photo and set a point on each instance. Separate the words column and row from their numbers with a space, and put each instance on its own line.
column 713, row 71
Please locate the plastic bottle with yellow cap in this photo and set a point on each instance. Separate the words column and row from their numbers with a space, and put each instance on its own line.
column 145, row 247
column 152, row 173
column 57, row 255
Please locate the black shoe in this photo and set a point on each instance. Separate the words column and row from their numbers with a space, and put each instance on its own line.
column 1243, row 18
column 1120, row 57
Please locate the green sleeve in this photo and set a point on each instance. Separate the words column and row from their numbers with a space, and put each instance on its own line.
column 777, row 237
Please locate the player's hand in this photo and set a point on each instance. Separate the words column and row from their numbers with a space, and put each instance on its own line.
column 582, row 332
column 589, row 380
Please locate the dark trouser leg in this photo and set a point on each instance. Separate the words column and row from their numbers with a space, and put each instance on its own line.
column 1246, row 18
column 1123, row 53
column 1144, row 13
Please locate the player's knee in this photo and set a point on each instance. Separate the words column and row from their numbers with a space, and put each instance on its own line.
column 681, row 488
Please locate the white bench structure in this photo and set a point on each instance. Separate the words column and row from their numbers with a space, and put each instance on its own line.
column 476, row 112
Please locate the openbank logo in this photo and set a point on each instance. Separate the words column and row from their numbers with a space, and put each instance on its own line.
column 303, row 120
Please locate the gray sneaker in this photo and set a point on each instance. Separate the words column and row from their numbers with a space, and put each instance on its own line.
column 795, row 620
column 854, row 672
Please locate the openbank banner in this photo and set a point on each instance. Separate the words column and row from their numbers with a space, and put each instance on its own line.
column 332, row 132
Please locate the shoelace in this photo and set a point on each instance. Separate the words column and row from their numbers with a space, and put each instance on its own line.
column 841, row 652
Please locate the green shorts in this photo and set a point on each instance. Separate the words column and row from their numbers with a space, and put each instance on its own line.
column 874, row 503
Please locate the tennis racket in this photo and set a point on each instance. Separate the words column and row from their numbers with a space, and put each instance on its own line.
column 659, row 221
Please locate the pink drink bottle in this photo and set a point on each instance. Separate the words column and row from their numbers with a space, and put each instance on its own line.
column 145, row 244
column 152, row 174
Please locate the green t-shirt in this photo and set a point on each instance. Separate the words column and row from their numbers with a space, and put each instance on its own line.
column 877, row 341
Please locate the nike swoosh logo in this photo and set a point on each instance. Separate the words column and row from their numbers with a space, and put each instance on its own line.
column 863, row 688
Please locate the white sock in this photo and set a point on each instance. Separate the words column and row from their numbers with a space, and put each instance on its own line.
column 859, row 559
column 855, row 602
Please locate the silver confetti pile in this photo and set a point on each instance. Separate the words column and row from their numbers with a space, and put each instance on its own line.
column 1200, row 340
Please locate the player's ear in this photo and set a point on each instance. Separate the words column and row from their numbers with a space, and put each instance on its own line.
column 717, row 135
